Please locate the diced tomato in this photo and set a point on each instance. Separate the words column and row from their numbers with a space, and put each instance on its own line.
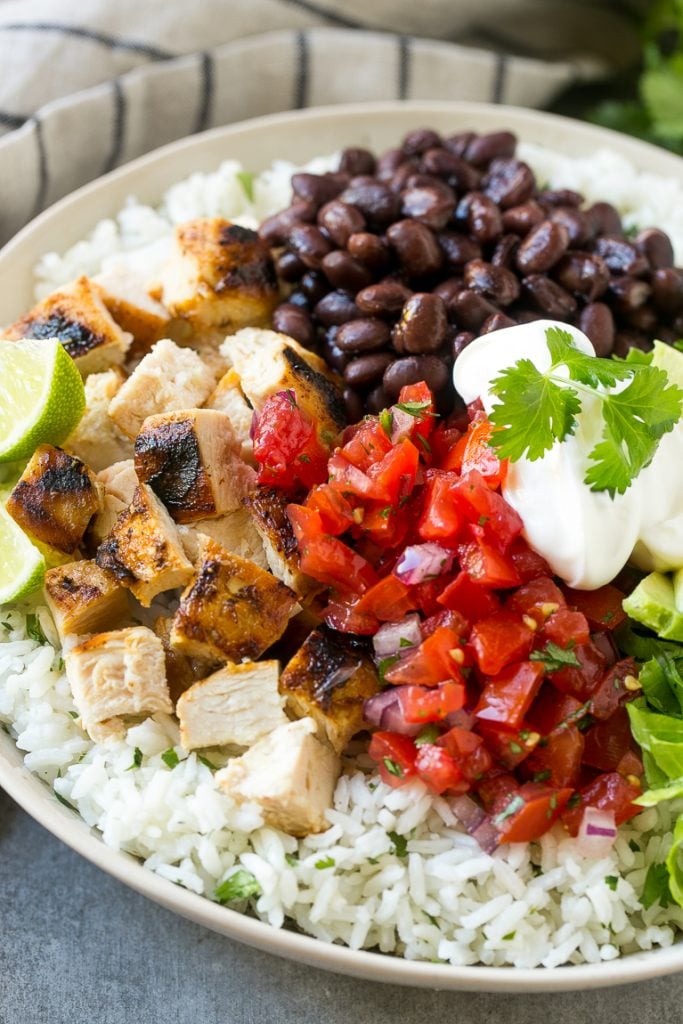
column 507, row 697
column 442, row 440
column 609, row 792
column 499, row 640
column 469, row 598
column 488, row 509
column 384, row 524
column 476, row 764
column 566, row 628
column 528, row 564
column 608, row 742
column 395, row 475
column 343, row 617
column 452, row 459
column 580, row 681
column 486, row 566
column 557, row 758
column 389, row 600
column 460, row 743
column 286, row 445
column 445, row 617
column 531, row 813
column 440, row 521
column 551, row 708
column 336, row 513
column 429, row 591
column 536, row 598
column 420, row 401
column 423, row 704
column 395, row 755
column 613, row 690
column 326, row 558
column 437, row 769
column 496, row 790
column 509, row 747
column 631, row 764
column 349, row 479
column 368, row 444
column 480, row 456
column 602, row 607
column 432, row 663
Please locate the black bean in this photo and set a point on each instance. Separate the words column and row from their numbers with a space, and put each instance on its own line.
column 299, row 299
column 620, row 255
column 377, row 399
column 313, row 285
column 363, row 371
column 422, row 139
column 423, row 326
column 413, row 369
column 628, row 293
column 386, row 298
column 459, row 142
column 429, row 205
column 496, row 322
column 309, row 244
column 468, row 309
column 604, row 219
column 342, row 270
column 340, row 221
column 402, row 176
column 388, row 163
column 509, row 182
column 376, row 202
column 542, row 247
column 583, row 273
column 656, row 247
column 336, row 308
column 371, row 250
column 505, row 251
column 331, row 352
column 295, row 322
column 576, row 223
column 416, row 247
column 458, row 248
column 624, row 341
column 355, row 160
column 318, row 188
column 364, row 335
column 597, row 323
column 289, row 267
column 275, row 230
column 549, row 297
column 354, row 405
column 455, row 171
column 484, row 148
column 560, row 197
column 643, row 319
column 460, row 341
column 481, row 215
column 449, row 289
column 521, row 219
column 667, row 289
column 496, row 283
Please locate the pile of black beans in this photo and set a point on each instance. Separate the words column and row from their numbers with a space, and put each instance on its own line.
column 397, row 263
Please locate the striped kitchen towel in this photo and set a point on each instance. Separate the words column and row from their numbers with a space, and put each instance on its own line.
column 89, row 84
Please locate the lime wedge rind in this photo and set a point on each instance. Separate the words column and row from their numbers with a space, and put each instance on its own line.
column 22, row 567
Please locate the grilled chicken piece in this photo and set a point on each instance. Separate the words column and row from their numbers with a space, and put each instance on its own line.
column 181, row 671
column 168, row 378
column 290, row 774
column 97, row 440
column 235, row 531
column 229, row 398
column 119, row 481
column 232, row 609
column 190, row 459
column 144, row 550
column 235, row 706
column 55, row 498
column 267, row 362
column 268, row 508
column 130, row 304
column 329, row 679
column 84, row 598
column 78, row 317
column 115, row 675
column 219, row 275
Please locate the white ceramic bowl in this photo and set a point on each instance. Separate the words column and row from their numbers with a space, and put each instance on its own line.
column 297, row 136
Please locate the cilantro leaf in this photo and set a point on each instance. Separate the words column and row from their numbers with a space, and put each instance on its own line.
column 137, row 760
column 170, row 758
column 400, row 844
column 555, row 657
column 583, row 368
column 239, row 886
column 324, row 862
column 246, row 180
column 34, row 630
column 534, row 411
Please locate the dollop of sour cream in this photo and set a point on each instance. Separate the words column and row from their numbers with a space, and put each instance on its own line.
column 586, row 537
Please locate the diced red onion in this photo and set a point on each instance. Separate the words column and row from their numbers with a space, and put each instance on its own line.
column 476, row 821
column 423, row 561
column 384, row 712
column 597, row 832
column 254, row 425
column 486, row 835
column 387, row 639
column 393, row 721
column 402, row 425
column 460, row 719
column 607, row 647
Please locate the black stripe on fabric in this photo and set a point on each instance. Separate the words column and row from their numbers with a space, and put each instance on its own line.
column 12, row 120
column 499, row 77
column 333, row 19
column 301, row 73
column 206, row 93
column 43, row 173
column 118, row 125
column 103, row 38
column 404, row 55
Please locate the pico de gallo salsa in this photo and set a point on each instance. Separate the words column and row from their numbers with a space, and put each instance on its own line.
column 504, row 689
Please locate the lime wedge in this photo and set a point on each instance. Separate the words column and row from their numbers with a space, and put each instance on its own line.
column 41, row 396
column 22, row 567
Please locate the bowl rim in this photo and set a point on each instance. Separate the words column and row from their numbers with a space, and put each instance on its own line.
column 36, row 798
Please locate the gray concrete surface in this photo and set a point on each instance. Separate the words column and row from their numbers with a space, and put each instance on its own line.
column 77, row 947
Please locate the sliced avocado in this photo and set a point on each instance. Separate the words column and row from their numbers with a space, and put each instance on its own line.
column 670, row 359
column 653, row 603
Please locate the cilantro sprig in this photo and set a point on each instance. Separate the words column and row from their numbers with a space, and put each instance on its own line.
column 537, row 409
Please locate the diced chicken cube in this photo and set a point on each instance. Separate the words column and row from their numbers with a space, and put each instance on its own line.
column 268, row 508
column 117, row 675
column 144, row 550
column 231, row 610
column 78, row 317
column 290, row 774
column 329, row 679
column 191, row 461
column 235, row 706
column 229, row 398
column 181, row 671
column 120, row 479
column 125, row 295
column 97, row 440
column 168, row 378
column 267, row 362
column 84, row 598
column 219, row 275
column 235, row 531
column 55, row 498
